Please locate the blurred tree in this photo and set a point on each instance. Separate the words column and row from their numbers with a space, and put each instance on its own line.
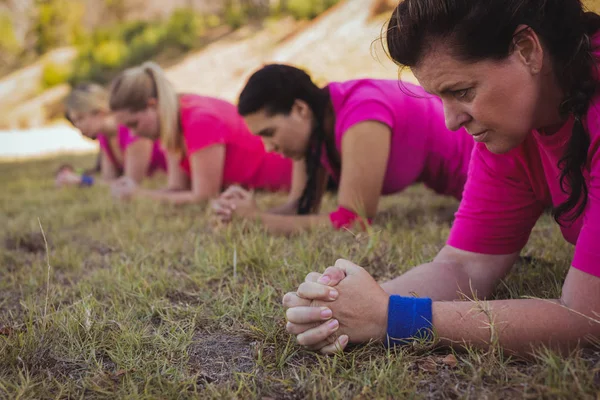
column 9, row 46
column 57, row 23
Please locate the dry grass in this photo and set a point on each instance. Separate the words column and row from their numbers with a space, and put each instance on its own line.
column 141, row 302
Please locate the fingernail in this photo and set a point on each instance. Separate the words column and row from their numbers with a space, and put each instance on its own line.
column 333, row 294
column 333, row 324
column 343, row 340
column 326, row 313
column 324, row 280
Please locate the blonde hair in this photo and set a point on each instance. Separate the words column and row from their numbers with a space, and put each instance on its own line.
column 131, row 91
column 87, row 98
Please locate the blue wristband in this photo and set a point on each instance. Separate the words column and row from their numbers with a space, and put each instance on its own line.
column 86, row 180
column 408, row 318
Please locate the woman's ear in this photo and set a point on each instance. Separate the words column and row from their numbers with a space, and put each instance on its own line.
column 302, row 108
column 152, row 102
column 528, row 48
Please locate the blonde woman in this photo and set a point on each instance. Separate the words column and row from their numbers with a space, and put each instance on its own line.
column 122, row 154
column 208, row 145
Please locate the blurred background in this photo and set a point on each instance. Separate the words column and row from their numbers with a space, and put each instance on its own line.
column 206, row 46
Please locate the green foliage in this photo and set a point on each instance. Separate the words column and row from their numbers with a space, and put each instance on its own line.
column 104, row 51
column 308, row 9
column 107, row 51
column 110, row 54
column 57, row 23
column 55, row 74
column 8, row 41
column 234, row 14
column 183, row 29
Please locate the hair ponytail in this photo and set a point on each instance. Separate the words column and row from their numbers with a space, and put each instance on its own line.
column 580, row 74
column 274, row 88
column 132, row 89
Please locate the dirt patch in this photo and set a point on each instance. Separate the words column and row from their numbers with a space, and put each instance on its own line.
column 44, row 360
column 178, row 297
column 217, row 357
column 28, row 242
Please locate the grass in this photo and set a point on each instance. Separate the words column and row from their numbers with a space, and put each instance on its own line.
column 141, row 300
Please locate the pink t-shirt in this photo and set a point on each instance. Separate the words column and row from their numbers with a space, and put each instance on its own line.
column 125, row 138
column 506, row 194
column 208, row 121
column 422, row 148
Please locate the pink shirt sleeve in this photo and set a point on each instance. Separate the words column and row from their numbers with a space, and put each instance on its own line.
column 105, row 148
column 362, row 110
column 587, row 249
column 202, row 130
column 499, row 207
column 126, row 137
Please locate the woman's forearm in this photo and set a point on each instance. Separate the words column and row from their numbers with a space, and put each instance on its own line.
column 453, row 275
column 515, row 325
column 288, row 208
column 439, row 281
column 172, row 196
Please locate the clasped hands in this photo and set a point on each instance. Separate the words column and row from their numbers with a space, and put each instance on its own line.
column 343, row 305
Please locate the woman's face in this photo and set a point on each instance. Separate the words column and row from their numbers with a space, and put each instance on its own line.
column 143, row 123
column 497, row 102
column 91, row 124
column 287, row 135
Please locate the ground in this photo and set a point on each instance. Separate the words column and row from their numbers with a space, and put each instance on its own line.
column 142, row 300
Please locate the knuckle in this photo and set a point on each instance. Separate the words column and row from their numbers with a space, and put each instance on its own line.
column 304, row 288
column 286, row 299
column 289, row 314
column 302, row 340
column 289, row 327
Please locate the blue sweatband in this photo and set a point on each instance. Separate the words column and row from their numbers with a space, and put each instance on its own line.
column 408, row 318
column 86, row 180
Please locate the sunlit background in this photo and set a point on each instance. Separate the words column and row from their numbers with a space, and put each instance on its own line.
column 206, row 46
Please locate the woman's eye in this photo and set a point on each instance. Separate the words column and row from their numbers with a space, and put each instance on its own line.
column 461, row 94
column 267, row 133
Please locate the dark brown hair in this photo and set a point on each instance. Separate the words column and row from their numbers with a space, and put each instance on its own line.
column 274, row 88
column 485, row 29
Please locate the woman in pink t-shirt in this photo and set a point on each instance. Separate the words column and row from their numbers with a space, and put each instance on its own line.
column 122, row 154
column 208, row 144
column 374, row 137
column 522, row 78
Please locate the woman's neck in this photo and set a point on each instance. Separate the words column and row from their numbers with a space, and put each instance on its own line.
column 549, row 119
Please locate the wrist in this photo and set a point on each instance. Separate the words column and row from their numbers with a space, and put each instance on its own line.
column 86, row 180
column 408, row 318
column 383, row 321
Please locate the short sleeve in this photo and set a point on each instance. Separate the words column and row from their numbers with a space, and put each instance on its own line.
column 499, row 207
column 105, row 148
column 363, row 110
column 126, row 138
column 202, row 130
column 587, row 249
